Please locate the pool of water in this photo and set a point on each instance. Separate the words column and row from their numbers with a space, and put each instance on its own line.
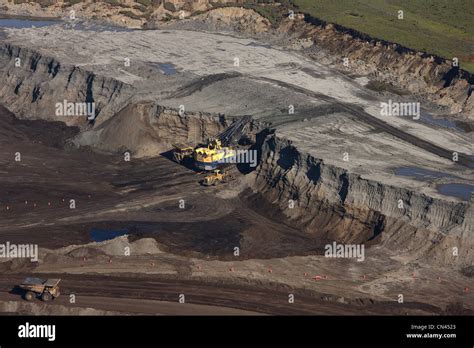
column 441, row 122
column 421, row 173
column 462, row 191
column 35, row 22
column 100, row 235
column 167, row 68
column 19, row 22
column 259, row 44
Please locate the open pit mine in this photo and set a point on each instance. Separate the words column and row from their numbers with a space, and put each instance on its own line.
column 360, row 200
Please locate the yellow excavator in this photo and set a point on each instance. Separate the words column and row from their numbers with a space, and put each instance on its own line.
column 213, row 155
column 216, row 155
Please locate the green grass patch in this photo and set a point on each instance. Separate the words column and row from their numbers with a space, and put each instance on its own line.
column 441, row 27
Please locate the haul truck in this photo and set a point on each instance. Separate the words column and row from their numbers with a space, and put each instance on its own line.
column 45, row 289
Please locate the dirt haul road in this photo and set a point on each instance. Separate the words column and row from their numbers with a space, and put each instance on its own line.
column 88, row 289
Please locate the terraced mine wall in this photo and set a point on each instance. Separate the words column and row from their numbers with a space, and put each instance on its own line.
column 419, row 72
column 34, row 83
column 333, row 204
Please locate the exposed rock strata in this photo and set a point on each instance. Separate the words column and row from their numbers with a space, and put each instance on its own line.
column 33, row 83
column 333, row 204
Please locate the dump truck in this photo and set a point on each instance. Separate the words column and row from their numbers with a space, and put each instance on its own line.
column 45, row 289
column 181, row 152
column 216, row 177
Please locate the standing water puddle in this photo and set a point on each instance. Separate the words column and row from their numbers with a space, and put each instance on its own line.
column 458, row 190
column 462, row 191
column 25, row 22
column 166, row 68
column 441, row 122
column 101, row 235
column 421, row 174
column 19, row 22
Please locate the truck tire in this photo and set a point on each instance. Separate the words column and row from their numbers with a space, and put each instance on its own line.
column 178, row 158
column 29, row 296
column 46, row 297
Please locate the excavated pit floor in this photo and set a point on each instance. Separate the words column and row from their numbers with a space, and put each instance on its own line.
column 196, row 242
column 333, row 115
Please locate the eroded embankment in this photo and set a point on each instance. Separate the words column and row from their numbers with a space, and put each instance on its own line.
column 33, row 83
column 147, row 129
column 333, row 204
column 425, row 74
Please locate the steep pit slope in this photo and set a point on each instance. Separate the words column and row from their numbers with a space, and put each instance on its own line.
column 333, row 203
column 147, row 129
column 34, row 82
column 427, row 75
